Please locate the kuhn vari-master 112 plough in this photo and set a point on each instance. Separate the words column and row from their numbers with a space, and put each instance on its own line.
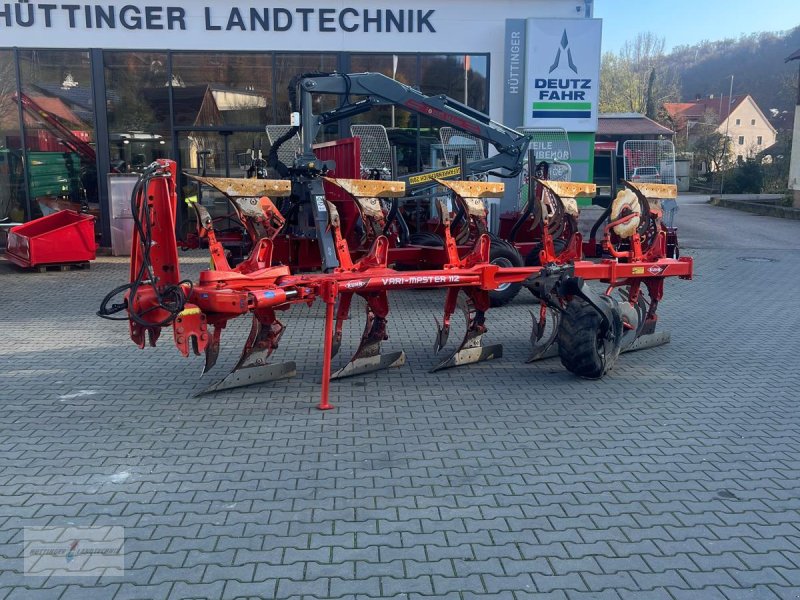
column 587, row 328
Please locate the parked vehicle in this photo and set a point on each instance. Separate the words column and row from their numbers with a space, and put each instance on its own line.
column 646, row 175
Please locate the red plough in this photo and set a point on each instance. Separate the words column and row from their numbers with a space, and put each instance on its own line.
column 589, row 329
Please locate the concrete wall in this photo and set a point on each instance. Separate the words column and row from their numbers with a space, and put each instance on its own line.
column 794, row 164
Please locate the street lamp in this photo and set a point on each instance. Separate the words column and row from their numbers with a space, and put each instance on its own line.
column 727, row 140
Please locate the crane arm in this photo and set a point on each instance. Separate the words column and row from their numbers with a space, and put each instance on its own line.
column 379, row 90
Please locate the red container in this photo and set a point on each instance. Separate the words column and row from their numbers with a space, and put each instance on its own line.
column 347, row 155
column 61, row 238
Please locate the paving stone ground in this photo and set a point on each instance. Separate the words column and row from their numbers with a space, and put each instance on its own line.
column 675, row 477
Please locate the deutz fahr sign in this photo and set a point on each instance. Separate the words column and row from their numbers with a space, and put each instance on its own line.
column 562, row 81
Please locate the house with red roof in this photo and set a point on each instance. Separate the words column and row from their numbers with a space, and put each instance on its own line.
column 738, row 117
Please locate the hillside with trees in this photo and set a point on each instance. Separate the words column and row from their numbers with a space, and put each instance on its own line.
column 756, row 62
column 641, row 76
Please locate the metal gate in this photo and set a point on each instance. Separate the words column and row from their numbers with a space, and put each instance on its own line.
column 649, row 161
column 290, row 148
column 376, row 153
column 454, row 141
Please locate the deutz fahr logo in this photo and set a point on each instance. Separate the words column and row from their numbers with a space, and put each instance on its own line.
column 564, row 46
column 563, row 95
column 562, row 88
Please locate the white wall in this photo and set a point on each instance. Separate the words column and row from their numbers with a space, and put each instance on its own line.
column 461, row 26
column 794, row 165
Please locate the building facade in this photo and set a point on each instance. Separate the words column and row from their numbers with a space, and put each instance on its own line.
column 738, row 117
column 93, row 88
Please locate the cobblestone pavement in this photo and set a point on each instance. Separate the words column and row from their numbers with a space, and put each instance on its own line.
column 675, row 477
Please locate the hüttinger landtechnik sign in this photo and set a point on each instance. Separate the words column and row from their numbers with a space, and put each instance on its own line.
column 563, row 73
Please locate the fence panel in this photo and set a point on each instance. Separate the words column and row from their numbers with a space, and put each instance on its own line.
column 649, row 161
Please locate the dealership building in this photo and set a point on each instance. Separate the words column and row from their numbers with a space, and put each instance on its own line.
column 92, row 88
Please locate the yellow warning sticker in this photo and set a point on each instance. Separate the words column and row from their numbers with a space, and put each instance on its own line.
column 637, row 270
column 443, row 174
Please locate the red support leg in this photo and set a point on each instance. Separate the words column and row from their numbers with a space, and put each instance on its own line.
column 330, row 300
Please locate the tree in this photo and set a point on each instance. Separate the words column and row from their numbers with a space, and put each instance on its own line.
column 713, row 148
column 637, row 79
column 757, row 60
column 746, row 178
column 8, row 87
column 616, row 77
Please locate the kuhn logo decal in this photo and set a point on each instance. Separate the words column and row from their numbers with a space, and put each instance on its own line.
column 656, row 270
column 356, row 285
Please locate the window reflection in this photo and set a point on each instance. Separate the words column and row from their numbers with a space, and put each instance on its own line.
column 418, row 139
column 217, row 89
column 220, row 103
column 288, row 66
column 460, row 77
column 138, row 113
column 59, row 130
column 12, row 174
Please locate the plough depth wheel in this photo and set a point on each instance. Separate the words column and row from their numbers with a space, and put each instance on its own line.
column 587, row 347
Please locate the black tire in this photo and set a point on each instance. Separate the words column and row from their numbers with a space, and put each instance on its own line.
column 580, row 340
column 532, row 260
column 426, row 238
column 504, row 254
column 423, row 238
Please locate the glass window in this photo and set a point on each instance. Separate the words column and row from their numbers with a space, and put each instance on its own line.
column 217, row 154
column 401, row 68
column 59, row 129
column 752, row 121
column 401, row 125
column 462, row 78
column 137, row 101
column 12, row 174
column 759, row 140
column 738, row 121
column 218, row 89
column 288, row 66
column 741, row 140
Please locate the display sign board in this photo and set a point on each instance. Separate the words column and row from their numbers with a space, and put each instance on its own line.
column 514, row 72
column 329, row 25
column 563, row 73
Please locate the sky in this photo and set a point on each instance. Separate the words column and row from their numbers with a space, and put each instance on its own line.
column 682, row 22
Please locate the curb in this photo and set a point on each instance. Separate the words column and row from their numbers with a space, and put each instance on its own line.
column 758, row 208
